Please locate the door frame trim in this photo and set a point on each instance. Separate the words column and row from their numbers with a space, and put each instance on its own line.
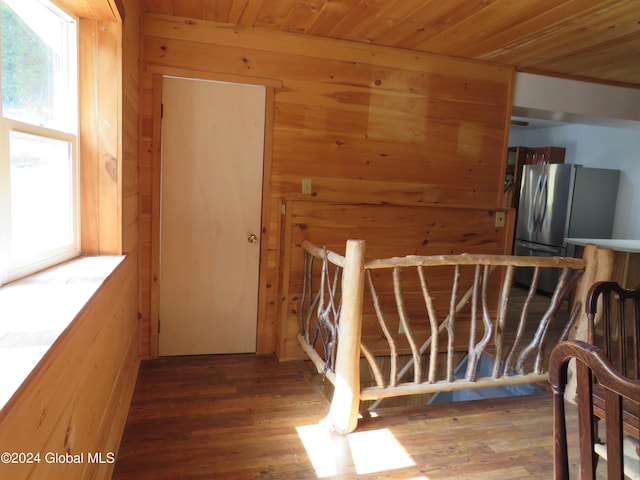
column 265, row 334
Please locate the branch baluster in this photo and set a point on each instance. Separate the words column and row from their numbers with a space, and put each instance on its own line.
column 502, row 320
column 523, row 320
column 451, row 324
column 393, row 378
column 404, row 321
column 433, row 323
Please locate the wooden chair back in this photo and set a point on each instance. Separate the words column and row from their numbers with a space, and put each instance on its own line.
column 619, row 335
column 591, row 365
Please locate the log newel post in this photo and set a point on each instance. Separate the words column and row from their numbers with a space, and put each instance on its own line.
column 343, row 413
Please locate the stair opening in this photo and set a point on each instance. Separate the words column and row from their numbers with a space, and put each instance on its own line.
column 485, row 367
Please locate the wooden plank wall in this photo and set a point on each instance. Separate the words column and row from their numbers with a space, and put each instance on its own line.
column 368, row 125
column 77, row 399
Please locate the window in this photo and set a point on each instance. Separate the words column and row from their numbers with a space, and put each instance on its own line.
column 39, row 219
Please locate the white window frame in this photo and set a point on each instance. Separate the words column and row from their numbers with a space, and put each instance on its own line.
column 9, row 269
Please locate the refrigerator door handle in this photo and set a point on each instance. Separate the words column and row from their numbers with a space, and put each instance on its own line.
column 544, row 196
column 533, row 218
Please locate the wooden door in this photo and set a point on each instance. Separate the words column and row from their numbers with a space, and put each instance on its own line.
column 212, row 156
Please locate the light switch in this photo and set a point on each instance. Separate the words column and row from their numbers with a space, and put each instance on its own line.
column 499, row 219
column 306, row 186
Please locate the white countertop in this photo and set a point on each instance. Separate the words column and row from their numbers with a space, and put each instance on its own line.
column 621, row 245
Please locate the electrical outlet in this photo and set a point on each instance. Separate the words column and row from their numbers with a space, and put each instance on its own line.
column 499, row 219
column 306, row 186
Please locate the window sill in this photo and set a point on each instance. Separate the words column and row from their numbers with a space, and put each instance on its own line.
column 35, row 310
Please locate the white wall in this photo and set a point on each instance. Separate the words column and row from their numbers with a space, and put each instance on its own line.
column 603, row 147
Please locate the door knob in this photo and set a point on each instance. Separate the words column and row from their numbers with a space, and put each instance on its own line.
column 252, row 238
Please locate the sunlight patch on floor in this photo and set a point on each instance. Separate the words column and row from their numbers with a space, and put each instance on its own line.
column 377, row 451
column 365, row 452
column 317, row 442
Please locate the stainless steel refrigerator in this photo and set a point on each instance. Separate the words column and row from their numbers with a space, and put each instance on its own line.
column 559, row 201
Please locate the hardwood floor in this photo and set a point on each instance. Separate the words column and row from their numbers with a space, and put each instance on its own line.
column 245, row 417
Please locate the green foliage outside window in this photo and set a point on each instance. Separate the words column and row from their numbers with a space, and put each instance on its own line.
column 26, row 62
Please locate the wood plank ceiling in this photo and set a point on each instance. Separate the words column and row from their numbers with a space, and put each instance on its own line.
column 590, row 39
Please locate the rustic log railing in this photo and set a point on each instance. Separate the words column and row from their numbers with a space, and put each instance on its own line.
column 472, row 320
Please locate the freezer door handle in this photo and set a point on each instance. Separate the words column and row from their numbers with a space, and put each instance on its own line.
column 538, row 248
